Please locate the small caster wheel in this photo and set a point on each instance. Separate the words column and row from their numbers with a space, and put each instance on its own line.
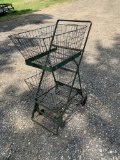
column 41, row 111
column 83, row 100
column 62, row 124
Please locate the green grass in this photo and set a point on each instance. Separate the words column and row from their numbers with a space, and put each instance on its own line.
column 27, row 6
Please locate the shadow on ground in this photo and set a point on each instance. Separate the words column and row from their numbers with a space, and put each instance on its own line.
column 95, row 132
column 8, row 52
column 20, row 21
column 15, row 12
column 7, row 56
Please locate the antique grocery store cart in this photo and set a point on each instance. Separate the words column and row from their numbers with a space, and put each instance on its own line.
column 57, row 50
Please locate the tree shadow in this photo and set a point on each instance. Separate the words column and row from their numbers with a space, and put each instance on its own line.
column 23, row 11
column 15, row 12
column 103, row 79
column 19, row 21
column 7, row 56
column 108, row 132
column 8, row 52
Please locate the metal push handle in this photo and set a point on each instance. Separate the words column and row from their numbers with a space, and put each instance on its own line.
column 64, row 20
column 86, row 21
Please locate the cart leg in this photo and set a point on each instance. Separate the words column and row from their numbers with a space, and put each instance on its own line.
column 40, row 83
column 36, row 108
column 57, row 130
column 60, row 123
column 54, row 78
column 84, row 98
column 80, row 83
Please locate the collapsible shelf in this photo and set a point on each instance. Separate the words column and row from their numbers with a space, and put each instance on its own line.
column 57, row 50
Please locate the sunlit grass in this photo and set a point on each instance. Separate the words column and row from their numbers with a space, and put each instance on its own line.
column 27, row 6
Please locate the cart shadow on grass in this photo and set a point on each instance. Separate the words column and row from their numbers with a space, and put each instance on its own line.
column 100, row 96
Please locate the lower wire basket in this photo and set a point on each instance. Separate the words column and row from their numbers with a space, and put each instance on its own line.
column 51, row 96
column 56, row 99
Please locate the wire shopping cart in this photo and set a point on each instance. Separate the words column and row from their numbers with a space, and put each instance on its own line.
column 57, row 50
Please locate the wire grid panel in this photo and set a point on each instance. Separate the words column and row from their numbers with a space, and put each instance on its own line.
column 51, row 95
column 70, row 35
column 66, row 77
column 33, row 42
column 55, row 57
column 56, row 98
column 66, row 40
column 46, row 84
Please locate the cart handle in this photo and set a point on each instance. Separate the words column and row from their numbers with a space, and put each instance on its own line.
column 86, row 21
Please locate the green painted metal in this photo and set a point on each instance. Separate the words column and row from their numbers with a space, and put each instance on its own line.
column 40, row 55
column 47, row 41
column 50, row 68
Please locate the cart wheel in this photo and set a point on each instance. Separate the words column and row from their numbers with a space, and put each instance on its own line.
column 35, row 109
column 83, row 100
column 41, row 111
column 62, row 124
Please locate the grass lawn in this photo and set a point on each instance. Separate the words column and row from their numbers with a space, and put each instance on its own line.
column 26, row 6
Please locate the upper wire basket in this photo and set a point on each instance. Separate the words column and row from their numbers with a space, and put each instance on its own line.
column 51, row 47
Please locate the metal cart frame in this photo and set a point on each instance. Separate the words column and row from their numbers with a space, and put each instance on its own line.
column 59, row 50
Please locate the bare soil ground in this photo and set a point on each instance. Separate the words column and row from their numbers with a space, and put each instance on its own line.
column 93, row 131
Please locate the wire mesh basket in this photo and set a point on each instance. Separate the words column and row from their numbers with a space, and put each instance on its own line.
column 50, row 94
column 51, row 47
